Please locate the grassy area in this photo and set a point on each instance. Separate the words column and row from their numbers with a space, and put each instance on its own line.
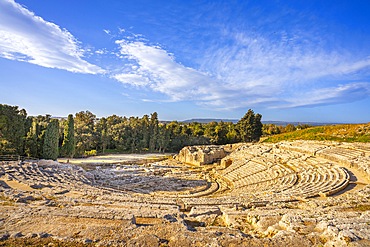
column 340, row 133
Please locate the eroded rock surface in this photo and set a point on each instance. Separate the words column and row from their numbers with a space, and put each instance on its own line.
column 287, row 194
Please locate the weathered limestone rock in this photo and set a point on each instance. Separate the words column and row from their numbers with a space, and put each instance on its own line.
column 201, row 155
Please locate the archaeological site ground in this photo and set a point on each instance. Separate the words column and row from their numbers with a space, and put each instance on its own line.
column 290, row 193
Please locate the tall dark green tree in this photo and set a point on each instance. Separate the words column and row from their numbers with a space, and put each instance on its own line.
column 144, row 132
column 12, row 129
column 153, row 130
column 221, row 131
column 163, row 138
column 257, row 127
column 69, row 144
column 250, row 127
column 51, row 140
column 31, row 141
column 84, row 132
column 102, row 128
column 42, row 124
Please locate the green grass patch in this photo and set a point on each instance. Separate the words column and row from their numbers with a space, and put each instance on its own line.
column 339, row 133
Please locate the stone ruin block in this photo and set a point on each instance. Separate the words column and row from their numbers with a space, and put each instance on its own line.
column 201, row 155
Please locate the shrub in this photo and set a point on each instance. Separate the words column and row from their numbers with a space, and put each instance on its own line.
column 91, row 153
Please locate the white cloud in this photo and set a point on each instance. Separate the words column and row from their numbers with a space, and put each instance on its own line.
column 27, row 37
column 132, row 79
column 157, row 69
column 101, row 51
column 331, row 95
column 252, row 63
column 248, row 72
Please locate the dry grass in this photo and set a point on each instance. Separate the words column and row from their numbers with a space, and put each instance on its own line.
column 340, row 133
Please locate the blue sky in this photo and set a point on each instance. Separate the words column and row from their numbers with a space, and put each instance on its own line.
column 288, row 60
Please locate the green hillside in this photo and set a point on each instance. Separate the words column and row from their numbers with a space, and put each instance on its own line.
column 341, row 133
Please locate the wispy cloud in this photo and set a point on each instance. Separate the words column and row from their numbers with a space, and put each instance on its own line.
column 153, row 67
column 242, row 67
column 249, row 70
column 29, row 38
column 332, row 95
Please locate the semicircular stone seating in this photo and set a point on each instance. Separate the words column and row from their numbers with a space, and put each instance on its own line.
column 257, row 173
column 286, row 171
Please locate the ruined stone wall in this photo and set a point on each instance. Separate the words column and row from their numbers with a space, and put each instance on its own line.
column 201, row 155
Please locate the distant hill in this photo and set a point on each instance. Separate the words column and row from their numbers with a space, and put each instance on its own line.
column 340, row 133
column 280, row 123
column 285, row 123
column 208, row 120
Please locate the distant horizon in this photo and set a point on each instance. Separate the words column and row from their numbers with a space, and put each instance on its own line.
column 194, row 118
column 208, row 119
column 298, row 61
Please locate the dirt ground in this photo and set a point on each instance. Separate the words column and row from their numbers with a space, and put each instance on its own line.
column 116, row 158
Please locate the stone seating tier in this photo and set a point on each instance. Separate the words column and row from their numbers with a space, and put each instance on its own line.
column 308, row 176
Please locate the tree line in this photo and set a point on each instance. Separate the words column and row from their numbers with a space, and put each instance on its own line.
column 84, row 134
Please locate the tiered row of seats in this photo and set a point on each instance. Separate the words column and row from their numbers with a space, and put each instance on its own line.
column 302, row 147
column 40, row 176
column 342, row 155
column 212, row 188
column 71, row 179
column 317, row 177
column 285, row 172
column 359, row 146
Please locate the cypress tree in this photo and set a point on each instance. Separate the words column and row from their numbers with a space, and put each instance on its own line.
column 257, row 127
column 68, row 145
column 51, row 141
column 153, row 130
column 250, row 126
column 31, row 140
column 12, row 129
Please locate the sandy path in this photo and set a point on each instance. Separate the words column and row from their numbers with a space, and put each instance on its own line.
column 113, row 158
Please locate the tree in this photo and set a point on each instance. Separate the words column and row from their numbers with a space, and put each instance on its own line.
column 144, row 133
column 102, row 128
column 51, row 140
column 42, row 124
column 12, row 129
column 270, row 129
column 84, row 132
column 31, row 141
column 250, row 127
column 153, row 131
column 69, row 145
column 257, row 127
column 210, row 131
column 289, row 128
column 232, row 134
column 221, row 131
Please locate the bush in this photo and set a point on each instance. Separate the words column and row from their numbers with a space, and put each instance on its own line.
column 91, row 153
